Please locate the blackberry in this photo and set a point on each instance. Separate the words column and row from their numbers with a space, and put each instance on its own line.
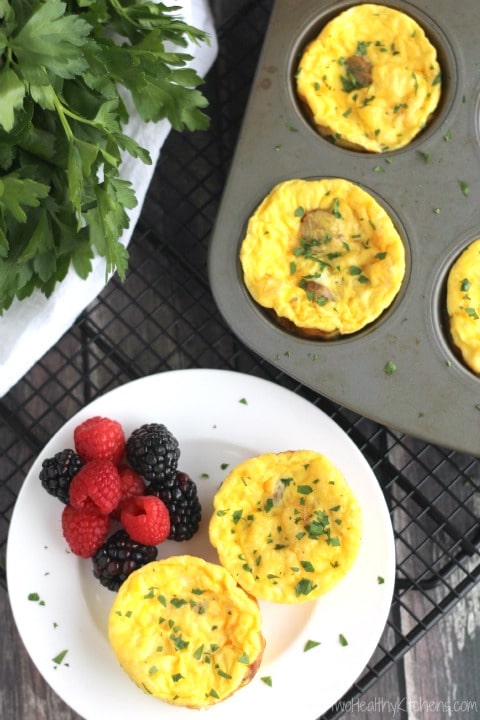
column 58, row 472
column 118, row 557
column 153, row 452
column 180, row 496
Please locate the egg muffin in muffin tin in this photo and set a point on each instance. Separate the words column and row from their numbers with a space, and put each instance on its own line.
column 463, row 305
column 371, row 79
column 185, row 632
column 323, row 255
column 286, row 525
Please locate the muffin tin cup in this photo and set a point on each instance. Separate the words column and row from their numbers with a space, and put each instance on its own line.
column 401, row 370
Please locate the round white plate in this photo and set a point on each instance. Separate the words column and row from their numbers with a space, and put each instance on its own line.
column 220, row 418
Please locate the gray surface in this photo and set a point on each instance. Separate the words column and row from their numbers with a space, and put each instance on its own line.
column 429, row 376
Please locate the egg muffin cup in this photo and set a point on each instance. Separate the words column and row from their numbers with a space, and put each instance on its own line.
column 185, row 632
column 371, row 79
column 286, row 525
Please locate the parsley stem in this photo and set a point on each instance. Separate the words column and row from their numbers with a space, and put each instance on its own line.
column 62, row 115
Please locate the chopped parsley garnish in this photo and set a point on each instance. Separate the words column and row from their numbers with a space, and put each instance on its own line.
column 58, row 659
column 307, row 565
column 304, row 587
column 236, row 516
column 304, row 489
column 390, row 368
column 310, row 644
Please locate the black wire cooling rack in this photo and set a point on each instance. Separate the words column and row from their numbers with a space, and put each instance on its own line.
column 163, row 317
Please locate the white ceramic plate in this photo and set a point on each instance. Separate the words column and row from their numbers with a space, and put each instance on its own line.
column 220, row 418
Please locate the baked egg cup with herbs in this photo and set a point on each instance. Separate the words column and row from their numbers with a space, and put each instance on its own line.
column 286, row 525
column 322, row 255
column 463, row 305
column 185, row 632
column 370, row 80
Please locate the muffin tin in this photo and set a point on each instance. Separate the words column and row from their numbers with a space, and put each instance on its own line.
column 402, row 370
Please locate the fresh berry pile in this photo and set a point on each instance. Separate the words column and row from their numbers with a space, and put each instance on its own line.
column 122, row 496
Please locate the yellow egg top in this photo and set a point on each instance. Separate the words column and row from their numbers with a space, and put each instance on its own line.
column 185, row 631
column 371, row 78
column 463, row 305
column 323, row 254
column 286, row 525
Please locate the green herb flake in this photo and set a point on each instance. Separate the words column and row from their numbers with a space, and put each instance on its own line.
column 178, row 602
column 304, row 587
column 304, row 489
column 268, row 505
column 58, row 659
column 34, row 597
column 244, row 659
column 390, row 368
column 380, row 580
column 299, row 211
column 465, row 187
column 426, row 156
column 176, row 677
column 307, row 566
column 267, row 679
column 310, row 644
column 342, row 640
column 236, row 516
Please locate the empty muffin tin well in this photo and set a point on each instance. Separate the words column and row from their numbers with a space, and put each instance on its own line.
column 402, row 370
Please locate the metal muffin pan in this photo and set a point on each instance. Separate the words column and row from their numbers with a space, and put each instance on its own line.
column 431, row 189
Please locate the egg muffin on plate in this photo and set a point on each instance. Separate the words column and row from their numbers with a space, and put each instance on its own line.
column 323, row 256
column 286, row 525
column 371, row 79
column 463, row 305
column 185, row 632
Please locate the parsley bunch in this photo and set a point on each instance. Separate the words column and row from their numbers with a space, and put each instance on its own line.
column 69, row 72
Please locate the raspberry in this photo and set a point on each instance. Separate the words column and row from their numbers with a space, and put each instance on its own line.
column 85, row 531
column 153, row 452
column 100, row 438
column 131, row 485
column 146, row 519
column 96, row 487
column 180, row 497
column 57, row 473
column 118, row 557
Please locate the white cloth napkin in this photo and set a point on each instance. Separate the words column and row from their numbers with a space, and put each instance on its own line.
column 31, row 327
